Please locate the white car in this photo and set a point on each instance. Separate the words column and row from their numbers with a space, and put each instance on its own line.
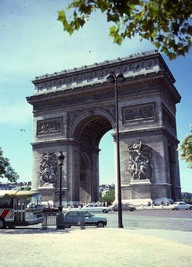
column 181, row 206
column 94, row 207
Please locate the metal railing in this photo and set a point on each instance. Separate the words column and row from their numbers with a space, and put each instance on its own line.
column 50, row 219
column 58, row 220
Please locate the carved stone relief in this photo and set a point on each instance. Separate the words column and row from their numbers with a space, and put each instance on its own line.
column 140, row 162
column 49, row 126
column 48, row 169
column 71, row 116
column 141, row 112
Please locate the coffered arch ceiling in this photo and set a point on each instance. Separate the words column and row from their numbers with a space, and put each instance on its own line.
column 92, row 129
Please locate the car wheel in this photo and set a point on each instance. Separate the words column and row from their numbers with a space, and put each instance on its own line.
column 100, row 224
column 190, row 208
column 105, row 211
column 2, row 224
column 132, row 209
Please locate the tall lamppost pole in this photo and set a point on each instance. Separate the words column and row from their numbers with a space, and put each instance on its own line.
column 61, row 158
column 115, row 78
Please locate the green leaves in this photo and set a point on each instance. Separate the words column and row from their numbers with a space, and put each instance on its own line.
column 109, row 196
column 114, row 32
column 75, row 24
column 166, row 24
column 186, row 149
column 6, row 171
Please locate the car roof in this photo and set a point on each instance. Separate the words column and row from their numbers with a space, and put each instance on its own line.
column 76, row 209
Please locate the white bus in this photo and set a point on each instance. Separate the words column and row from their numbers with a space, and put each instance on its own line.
column 19, row 208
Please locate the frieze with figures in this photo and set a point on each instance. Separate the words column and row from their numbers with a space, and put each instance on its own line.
column 93, row 96
column 141, row 112
column 49, row 126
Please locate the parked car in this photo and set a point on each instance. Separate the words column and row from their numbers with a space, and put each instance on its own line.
column 76, row 217
column 94, row 207
column 125, row 206
column 181, row 205
column 50, row 209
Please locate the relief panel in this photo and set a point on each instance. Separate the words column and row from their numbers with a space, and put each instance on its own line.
column 137, row 113
column 48, row 126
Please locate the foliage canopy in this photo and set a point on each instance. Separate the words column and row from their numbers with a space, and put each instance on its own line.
column 6, row 171
column 186, row 148
column 166, row 24
column 108, row 197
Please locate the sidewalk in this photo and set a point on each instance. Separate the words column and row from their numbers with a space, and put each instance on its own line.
column 97, row 247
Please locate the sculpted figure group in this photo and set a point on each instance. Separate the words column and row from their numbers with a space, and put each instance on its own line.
column 48, row 168
column 140, row 166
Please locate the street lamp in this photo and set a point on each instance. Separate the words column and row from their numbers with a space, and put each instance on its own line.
column 61, row 158
column 112, row 78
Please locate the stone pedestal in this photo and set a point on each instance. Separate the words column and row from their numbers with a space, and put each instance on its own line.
column 140, row 191
column 47, row 192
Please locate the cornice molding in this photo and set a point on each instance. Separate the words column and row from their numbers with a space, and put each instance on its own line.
column 147, row 63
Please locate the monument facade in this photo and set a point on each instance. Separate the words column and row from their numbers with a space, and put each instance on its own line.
column 72, row 111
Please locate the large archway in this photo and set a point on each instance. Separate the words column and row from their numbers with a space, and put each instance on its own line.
column 89, row 132
column 73, row 109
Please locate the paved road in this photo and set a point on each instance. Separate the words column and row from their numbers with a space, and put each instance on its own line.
column 153, row 219
column 164, row 213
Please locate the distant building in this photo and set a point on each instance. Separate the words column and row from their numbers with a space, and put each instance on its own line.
column 12, row 186
column 186, row 195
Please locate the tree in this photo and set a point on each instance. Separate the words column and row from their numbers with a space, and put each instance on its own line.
column 186, row 148
column 6, row 171
column 166, row 24
column 108, row 197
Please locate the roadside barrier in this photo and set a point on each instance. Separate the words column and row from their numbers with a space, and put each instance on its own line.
column 60, row 222
column 49, row 220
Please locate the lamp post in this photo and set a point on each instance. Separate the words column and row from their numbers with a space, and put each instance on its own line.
column 61, row 158
column 115, row 78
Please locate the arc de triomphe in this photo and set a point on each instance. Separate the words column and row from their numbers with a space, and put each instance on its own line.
column 72, row 111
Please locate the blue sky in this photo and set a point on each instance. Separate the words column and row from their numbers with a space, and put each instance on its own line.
column 33, row 43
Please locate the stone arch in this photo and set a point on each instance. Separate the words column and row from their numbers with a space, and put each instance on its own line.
column 92, row 117
column 87, row 129
column 73, row 109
